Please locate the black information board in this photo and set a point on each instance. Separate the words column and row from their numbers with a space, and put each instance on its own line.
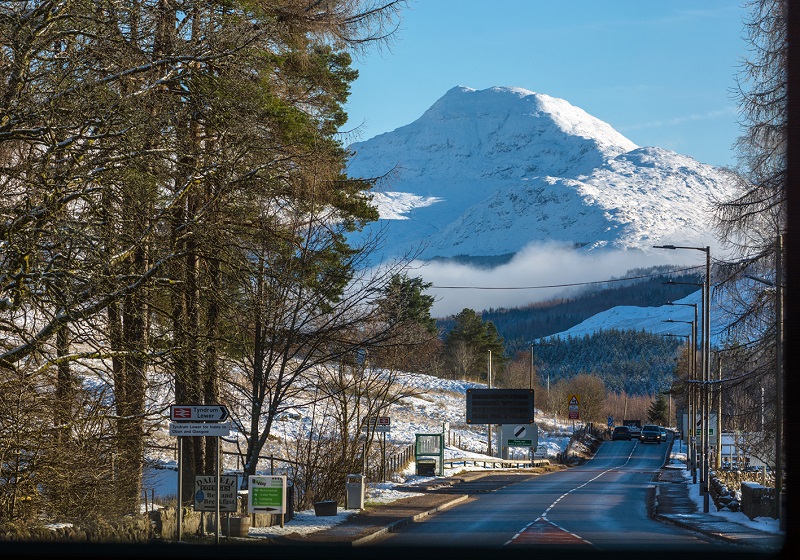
column 499, row 406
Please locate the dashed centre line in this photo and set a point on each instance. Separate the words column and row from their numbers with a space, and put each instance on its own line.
column 541, row 530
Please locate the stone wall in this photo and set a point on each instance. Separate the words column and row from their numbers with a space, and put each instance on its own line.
column 757, row 500
column 160, row 524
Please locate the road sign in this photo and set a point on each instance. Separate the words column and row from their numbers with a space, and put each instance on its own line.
column 267, row 494
column 610, row 421
column 499, row 406
column 572, row 411
column 198, row 413
column 194, row 429
column 205, row 493
column 378, row 424
column 518, row 435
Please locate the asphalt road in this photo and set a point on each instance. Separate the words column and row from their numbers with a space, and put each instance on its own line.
column 597, row 507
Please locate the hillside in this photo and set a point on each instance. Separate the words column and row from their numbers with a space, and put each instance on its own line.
column 518, row 326
column 628, row 356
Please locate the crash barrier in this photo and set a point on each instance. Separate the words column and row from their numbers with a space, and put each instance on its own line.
column 503, row 463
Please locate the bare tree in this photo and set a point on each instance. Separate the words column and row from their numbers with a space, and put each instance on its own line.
column 753, row 222
column 131, row 136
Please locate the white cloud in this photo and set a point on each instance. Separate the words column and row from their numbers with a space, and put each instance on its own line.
column 537, row 273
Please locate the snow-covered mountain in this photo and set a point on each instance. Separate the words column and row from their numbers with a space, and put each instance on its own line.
column 485, row 173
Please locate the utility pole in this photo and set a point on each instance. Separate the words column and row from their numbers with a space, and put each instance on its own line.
column 489, row 383
column 779, row 379
column 530, row 380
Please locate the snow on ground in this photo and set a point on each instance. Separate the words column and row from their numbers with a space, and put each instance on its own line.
column 440, row 401
column 435, row 402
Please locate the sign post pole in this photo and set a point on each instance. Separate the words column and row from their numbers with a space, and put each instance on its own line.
column 180, row 486
column 216, row 519
column 197, row 420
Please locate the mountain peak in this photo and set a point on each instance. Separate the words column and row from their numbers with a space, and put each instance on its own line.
column 486, row 172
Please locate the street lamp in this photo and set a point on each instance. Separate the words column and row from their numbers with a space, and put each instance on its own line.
column 706, row 365
column 691, row 412
column 778, row 285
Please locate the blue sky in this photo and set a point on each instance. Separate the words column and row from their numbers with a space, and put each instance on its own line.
column 659, row 71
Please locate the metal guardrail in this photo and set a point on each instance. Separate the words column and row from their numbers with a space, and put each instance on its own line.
column 516, row 463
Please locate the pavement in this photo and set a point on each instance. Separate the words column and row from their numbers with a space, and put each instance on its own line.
column 670, row 503
column 674, row 505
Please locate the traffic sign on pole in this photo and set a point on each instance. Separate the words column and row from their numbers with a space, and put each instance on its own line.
column 378, row 424
column 198, row 413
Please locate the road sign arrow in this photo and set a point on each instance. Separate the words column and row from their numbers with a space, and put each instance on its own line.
column 198, row 413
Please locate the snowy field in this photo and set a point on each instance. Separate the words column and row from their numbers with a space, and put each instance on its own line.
column 435, row 403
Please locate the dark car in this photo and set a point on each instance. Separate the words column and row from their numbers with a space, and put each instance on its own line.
column 650, row 433
column 621, row 432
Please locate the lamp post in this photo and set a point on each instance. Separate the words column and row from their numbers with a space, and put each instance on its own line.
column 706, row 368
column 778, row 285
column 692, row 411
column 533, row 344
column 690, row 387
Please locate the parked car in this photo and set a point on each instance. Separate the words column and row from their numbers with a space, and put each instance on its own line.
column 650, row 433
column 621, row 433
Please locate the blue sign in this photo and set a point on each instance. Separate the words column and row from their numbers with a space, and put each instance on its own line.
column 610, row 421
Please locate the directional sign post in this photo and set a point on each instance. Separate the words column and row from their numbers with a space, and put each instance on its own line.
column 198, row 413
column 191, row 420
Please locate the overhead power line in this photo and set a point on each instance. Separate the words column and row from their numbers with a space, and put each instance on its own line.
column 566, row 285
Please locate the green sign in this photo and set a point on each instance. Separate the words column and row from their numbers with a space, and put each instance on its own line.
column 267, row 494
column 520, row 443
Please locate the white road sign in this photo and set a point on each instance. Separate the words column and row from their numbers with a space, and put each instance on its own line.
column 378, row 424
column 199, row 429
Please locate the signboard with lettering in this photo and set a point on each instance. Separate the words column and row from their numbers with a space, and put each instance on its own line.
column 499, row 406
column 205, row 493
column 194, row 429
column 267, row 494
column 198, row 413
column 573, row 408
column 378, row 424
column 519, row 435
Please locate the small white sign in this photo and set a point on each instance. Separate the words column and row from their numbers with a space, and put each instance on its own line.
column 182, row 429
column 379, row 424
